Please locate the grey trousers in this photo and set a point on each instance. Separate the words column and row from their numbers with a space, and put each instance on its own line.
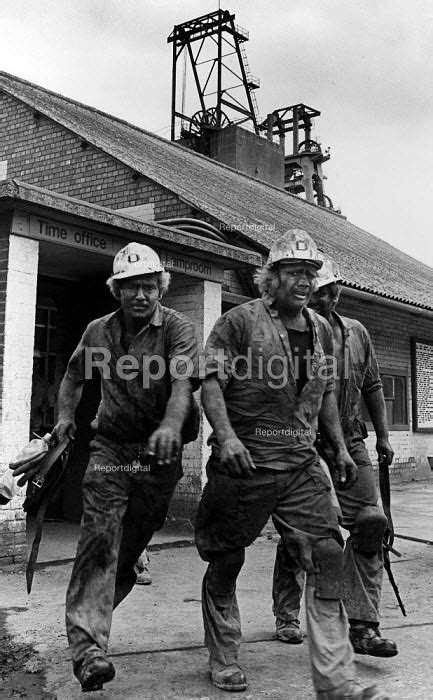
column 231, row 515
column 362, row 573
column 123, row 507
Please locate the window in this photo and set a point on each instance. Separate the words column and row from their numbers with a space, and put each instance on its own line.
column 395, row 393
column 45, row 329
column 394, row 390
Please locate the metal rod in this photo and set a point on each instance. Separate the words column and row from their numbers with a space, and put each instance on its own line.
column 413, row 539
column 219, row 82
column 173, row 94
column 196, row 77
column 295, row 130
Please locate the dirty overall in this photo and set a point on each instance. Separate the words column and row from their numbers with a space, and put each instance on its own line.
column 125, row 501
column 278, row 427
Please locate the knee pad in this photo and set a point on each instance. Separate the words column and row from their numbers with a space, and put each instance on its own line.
column 328, row 563
column 223, row 571
column 368, row 529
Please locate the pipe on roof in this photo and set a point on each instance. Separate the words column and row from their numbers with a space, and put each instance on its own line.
column 198, row 231
column 195, row 226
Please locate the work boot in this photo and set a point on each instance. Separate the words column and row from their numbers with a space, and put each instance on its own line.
column 94, row 671
column 230, row 678
column 289, row 632
column 351, row 690
column 144, row 578
column 366, row 639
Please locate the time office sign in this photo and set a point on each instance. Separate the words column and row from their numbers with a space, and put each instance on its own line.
column 104, row 244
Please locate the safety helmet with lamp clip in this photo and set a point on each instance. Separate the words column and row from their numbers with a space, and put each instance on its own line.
column 136, row 259
column 295, row 245
column 328, row 273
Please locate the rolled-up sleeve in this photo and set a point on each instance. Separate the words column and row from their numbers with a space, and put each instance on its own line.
column 76, row 369
column 182, row 350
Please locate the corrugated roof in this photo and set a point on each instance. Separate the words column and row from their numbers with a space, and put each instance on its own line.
column 258, row 210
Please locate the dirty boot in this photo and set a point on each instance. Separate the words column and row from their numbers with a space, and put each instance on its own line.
column 94, row 671
column 142, row 569
column 230, row 678
column 352, row 691
column 366, row 639
column 289, row 632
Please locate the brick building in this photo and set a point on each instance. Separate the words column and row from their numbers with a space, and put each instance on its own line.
column 77, row 184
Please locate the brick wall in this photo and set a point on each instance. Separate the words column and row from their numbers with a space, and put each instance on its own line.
column 18, row 270
column 249, row 153
column 391, row 330
column 41, row 152
column 232, row 283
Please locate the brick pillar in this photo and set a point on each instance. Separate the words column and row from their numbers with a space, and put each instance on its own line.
column 18, row 281
column 201, row 301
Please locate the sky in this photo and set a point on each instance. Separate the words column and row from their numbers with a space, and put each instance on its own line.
column 367, row 65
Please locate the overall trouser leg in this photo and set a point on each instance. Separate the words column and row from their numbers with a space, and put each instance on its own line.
column 149, row 500
column 287, row 587
column 331, row 654
column 363, row 571
column 221, row 618
column 231, row 514
column 90, row 595
column 289, row 579
column 362, row 583
column 123, row 506
column 306, row 520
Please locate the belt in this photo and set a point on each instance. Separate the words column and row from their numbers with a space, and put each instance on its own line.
column 140, row 448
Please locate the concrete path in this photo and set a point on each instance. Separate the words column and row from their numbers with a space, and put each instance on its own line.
column 157, row 637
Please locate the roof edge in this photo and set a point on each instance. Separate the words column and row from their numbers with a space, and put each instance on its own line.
column 373, row 296
column 25, row 192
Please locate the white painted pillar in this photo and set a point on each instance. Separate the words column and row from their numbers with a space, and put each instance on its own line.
column 19, row 336
column 200, row 300
column 21, row 270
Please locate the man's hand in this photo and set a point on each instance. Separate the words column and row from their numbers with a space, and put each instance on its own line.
column 165, row 444
column 27, row 471
column 345, row 471
column 385, row 452
column 64, row 427
column 236, row 458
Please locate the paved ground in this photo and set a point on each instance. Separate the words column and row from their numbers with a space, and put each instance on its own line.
column 157, row 639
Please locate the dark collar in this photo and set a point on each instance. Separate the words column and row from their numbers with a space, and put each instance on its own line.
column 117, row 318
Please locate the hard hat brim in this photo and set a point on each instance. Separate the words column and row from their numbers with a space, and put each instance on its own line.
column 136, row 273
column 298, row 261
column 330, row 280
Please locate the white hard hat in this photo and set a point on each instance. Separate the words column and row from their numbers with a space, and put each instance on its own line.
column 329, row 271
column 295, row 245
column 135, row 259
